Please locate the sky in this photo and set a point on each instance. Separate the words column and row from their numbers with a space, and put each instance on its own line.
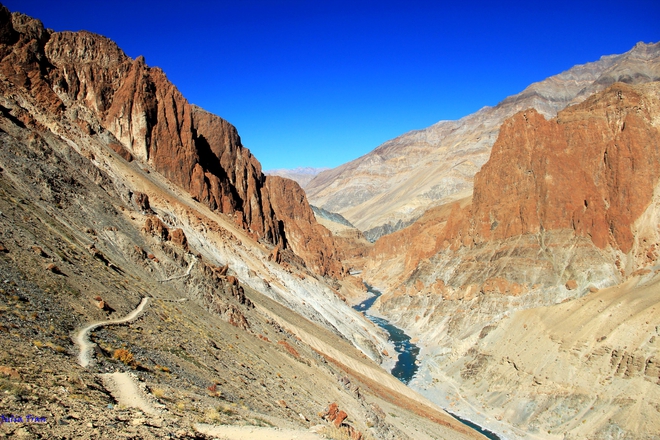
column 313, row 83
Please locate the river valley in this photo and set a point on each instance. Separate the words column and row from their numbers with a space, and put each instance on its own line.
column 406, row 365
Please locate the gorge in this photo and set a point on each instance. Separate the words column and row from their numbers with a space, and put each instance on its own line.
column 516, row 251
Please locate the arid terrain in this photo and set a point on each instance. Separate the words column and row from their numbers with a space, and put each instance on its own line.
column 535, row 300
column 154, row 283
column 393, row 185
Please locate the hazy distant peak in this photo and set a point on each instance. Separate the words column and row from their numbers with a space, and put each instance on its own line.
column 302, row 175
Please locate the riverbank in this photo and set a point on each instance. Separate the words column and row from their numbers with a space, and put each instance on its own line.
column 407, row 367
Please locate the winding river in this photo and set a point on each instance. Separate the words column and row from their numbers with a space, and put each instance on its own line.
column 406, row 367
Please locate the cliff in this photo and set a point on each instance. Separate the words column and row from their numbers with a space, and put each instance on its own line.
column 397, row 182
column 142, row 116
column 563, row 222
column 590, row 173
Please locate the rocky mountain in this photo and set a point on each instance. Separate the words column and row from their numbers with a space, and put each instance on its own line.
column 144, row 117
column 302, row 175
column 393, row 185
column 540, row 275
column 153, row 282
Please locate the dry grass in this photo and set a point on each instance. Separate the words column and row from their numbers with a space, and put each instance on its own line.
column 124, row 356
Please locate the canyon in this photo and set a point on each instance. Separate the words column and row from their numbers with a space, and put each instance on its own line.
column 560, row 221
column 156, row 282
column 121, row 203
column 393, row 185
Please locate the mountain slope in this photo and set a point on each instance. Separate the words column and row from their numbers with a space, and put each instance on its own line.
column 563, row 208
column 112, row 190
column 397, row 182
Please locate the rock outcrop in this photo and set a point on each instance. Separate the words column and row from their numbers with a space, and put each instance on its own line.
column 143, row 116
column 308, row 239
column 564, row 208
column 587, row 176
column 388, row 188
column 593, row 169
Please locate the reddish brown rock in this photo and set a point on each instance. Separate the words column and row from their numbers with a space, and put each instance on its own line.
column 153, row 123
column 289, row 348
column 592, row 169
column 330, row 412
column 341, row 416
column 120, row 150
column 571, row 285
column 304, row 236
column 177, row 236
column 589, row 173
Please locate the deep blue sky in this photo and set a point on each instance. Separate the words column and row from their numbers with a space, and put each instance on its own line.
column 318, row 83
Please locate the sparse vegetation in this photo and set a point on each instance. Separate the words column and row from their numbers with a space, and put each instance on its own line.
column 124, row 356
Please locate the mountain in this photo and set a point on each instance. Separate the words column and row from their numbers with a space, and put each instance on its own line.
column 537, row 298
column 154, row 283
column 302, row 175
column 388, row 188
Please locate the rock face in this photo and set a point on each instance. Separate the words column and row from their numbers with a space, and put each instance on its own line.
column 590, row 172
column 308, row 239
column 593, row 169
column 563, row 208
column 143, row 116
column 395, row 184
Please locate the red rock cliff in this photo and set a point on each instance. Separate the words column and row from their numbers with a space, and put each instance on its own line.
column 196, row 150
column 308, row 239
column 592, row 169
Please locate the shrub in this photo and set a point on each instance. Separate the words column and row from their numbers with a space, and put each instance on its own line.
column 123, row 355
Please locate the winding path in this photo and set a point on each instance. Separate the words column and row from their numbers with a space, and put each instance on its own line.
column 190, row 266
column 82, row 337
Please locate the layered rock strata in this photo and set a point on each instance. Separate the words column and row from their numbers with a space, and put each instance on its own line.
column 564, row 207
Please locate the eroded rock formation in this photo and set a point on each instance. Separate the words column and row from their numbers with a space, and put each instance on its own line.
column 564, row 209
column 142, row 115
column 393, row 185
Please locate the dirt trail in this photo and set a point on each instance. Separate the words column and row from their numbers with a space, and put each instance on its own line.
column 82, row 337
column 254, row 432
column 121, row 385
column 124, row 388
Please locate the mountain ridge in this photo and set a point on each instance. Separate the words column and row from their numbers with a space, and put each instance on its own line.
column 564, row 209
column 114, row 192
column 402, row 178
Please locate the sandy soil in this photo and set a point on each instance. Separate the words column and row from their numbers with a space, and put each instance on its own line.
column 123, row 388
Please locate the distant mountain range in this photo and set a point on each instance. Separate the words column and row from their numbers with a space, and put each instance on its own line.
column 397, row 182
column 302, row 175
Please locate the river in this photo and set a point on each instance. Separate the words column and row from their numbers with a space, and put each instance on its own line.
column 406, row 367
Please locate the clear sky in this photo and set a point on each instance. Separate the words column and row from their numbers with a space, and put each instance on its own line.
column 318, row 83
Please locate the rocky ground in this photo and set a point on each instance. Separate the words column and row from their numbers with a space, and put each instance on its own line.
column 215, row 359
column 237, row 330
